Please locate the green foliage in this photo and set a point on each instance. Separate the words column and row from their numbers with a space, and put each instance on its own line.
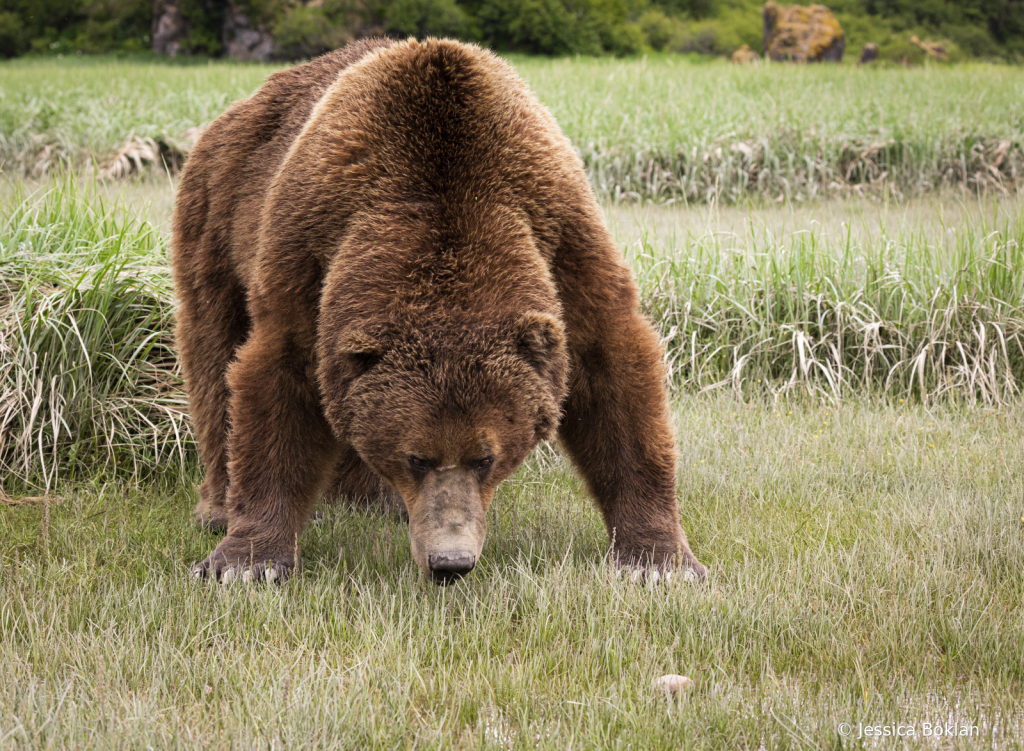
column 12, row 34
column 548, row 27
column 690, row 8
column 977, row 28
column 304, row 32
column 1003, row 19
column 423, row 18
column 658, row 28
column 718, row 36
column 205, row 18
column 972, row 29
column 61, row 26
column 118, row 24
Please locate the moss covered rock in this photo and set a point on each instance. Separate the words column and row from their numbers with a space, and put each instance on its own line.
column 805, row 34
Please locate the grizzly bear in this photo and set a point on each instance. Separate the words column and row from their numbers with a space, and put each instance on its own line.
column 392, row 274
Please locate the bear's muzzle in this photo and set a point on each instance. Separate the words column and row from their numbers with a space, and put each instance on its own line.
column 446, row 524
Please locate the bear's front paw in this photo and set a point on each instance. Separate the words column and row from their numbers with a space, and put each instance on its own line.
column 641, row 563
column 237, row 559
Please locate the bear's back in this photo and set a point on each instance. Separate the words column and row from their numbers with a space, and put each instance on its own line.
column 423, row 135
column 378, row 136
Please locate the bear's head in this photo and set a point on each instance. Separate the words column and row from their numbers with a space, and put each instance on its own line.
column 444, row 411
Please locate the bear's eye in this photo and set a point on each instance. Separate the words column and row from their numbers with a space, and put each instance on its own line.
column 484, row 463
column 416, row 463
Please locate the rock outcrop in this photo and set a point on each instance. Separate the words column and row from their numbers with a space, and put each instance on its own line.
column 803, row 34
column 245, row 40
column 182, row 29
column 868, row 53
column 170, row 27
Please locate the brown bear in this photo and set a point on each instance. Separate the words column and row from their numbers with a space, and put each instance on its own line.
column 391, row 270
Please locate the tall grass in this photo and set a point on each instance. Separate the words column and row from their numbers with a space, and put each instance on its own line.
column 673, row 131
column 910, row 314
column 659, row 127
column 88, row 378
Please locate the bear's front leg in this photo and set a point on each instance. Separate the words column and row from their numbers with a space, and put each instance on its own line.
column 615, row 423
column 281, row 452
column 616, row 429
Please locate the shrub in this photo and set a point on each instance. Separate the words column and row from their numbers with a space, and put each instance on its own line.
column 658, row 28
column 559, row 27
column 423, row 18
column 12, row 35
column 972, row 40
column 622, row 39
column 700, row 38
column 543, row 27
column 304, row 32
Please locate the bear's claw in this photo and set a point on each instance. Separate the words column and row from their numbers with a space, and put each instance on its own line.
column 228, row 564
column 683, row 566
column 246, row 574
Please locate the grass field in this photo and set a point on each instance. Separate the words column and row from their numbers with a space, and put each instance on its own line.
column 846, row 382
column 866, row 563
column 662, row 128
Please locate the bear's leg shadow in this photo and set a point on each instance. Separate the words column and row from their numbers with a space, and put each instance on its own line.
column 212, row 324
column 282, row 453
column 616, row 425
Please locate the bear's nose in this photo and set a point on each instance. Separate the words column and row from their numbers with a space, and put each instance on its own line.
column 450, row 565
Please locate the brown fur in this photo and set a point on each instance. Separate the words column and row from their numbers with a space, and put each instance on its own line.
column 393, row 251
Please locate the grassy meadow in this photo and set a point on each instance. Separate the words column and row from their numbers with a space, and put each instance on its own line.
column 661, row 127
column 846, row 367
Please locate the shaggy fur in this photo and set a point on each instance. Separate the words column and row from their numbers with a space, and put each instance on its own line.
column 393, row 249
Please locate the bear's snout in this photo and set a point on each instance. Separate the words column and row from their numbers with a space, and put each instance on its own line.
column 450, row 565
column 446, row 524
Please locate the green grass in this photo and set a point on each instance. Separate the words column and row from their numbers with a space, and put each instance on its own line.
column 88, row 378
column 658, row 127
column 866, row 567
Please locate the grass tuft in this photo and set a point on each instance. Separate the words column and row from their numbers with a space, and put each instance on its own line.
column 88, row 378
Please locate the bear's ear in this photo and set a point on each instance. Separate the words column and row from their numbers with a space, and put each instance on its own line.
column 540, row 340
column 361, row 350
